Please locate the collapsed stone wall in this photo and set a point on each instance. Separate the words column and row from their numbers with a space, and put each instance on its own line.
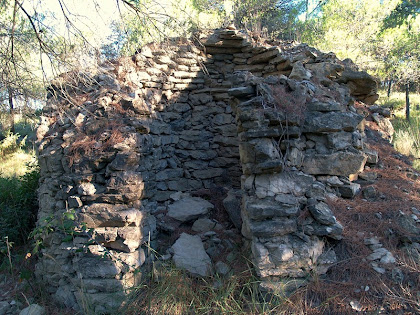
column 120, row 151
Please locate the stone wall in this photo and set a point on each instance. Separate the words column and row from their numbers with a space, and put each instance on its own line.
column 119, row 151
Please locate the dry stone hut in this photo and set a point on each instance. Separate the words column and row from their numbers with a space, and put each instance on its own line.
column 125, row 153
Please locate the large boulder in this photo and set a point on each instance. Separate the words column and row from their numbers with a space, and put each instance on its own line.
column 189, row 254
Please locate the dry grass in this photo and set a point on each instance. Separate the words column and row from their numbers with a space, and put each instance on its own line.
column 16, row 164
column 95, row 143
column 407, row 138
column 172, row 291
column 407, row 134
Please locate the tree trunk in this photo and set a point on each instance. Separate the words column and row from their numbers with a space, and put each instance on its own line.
column 407, row 102
column 389, row 87
column 12, row 111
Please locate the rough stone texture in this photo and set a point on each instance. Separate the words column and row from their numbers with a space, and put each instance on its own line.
column 338, row 163
column 232, row 205
column 33, row 309
column 384, row 125
column 203, row 225
column 189, row 208
column 175, row 119
column 189, row 254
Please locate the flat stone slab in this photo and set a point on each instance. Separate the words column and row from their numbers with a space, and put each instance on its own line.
column 203, row 225
column 189, row 208
column 189, row 254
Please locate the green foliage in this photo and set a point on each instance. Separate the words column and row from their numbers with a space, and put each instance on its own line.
column 381, row 36
column 11, row 144
column 18, row 46
column 18, row 206
column 278, row 18
column 405, row 10
column 156, row 20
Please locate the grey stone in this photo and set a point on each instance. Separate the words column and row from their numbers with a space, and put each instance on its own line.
column 372, row 156
column 371, row 241
column 264, row 57
column 316, row 191
column 299, row 73
column 261, row 209
column 208, row 173
column 222, row 268
column 268, row 228
column 322, row 213
column 378, row 253
column 203, row 225
column 86, row 189
column 169, row 174
column 295, row 183
column 74, row 202
column 385, row 125
column 189, row 208
column 232, row 205
column 317, row 122
column 388, row 258
column 409, row 226
column 370, row 193
column 103, row 303
column 89, row 268
column 189, row 254
column 33, row 309
column 349, row 190
column 334, row 231
column 384, row 111
column 64, row 296
column 370, row 177
column 361, row 84
column 202, row 98
column 242, row 92
column 338, row 163
column 377, row 268
column 340, row 140
column 108, row 215
column 4, row 307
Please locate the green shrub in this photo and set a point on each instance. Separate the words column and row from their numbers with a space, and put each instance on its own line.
column 11, row 143
column 18, row 206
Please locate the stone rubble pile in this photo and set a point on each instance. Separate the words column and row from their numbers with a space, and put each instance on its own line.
column 122, row 151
